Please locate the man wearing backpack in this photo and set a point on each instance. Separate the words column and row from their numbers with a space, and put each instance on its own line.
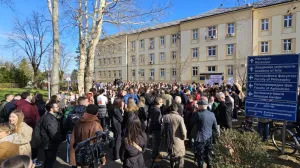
column 175, row 132
column 73, row 117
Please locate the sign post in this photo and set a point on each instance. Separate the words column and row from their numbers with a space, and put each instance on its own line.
column 272, row 87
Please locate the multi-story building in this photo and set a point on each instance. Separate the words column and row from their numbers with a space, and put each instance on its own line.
column 213, row 43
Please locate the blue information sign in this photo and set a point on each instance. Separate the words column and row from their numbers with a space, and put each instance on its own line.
column 272, row 87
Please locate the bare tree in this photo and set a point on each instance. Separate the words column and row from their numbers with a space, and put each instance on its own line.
column 53, row 10
column 31, row 37
column 128, row 14
column 65, row 61
column 180, row 66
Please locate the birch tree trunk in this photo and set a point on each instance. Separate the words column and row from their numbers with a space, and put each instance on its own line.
column 82, row 47
column 53, row 9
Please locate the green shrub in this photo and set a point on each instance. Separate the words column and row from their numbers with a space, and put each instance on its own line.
column 246, row 150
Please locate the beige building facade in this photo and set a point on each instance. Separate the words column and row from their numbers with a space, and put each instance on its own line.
column 217, row 42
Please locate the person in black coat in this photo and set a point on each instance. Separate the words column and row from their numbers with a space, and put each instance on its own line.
column 40, row 104
column 117, row 119
column 134, row 145
column 48, row 134
column 224, row 117
column 236, row 104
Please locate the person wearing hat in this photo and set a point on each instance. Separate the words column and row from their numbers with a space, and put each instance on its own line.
column 206, row 128
column 85, row 128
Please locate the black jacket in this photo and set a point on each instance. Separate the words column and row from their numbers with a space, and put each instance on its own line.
column 131, row 156
column 155, row 119
column 117, row 119
column 41, row 106
column 48, row 132
column 224, row 117
column 236, row 100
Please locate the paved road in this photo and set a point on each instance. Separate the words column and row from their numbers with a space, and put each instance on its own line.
column 61, row 159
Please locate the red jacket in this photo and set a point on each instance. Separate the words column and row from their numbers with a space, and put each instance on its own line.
column 31, row 114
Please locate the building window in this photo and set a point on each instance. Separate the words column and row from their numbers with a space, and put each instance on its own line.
column 230, row 28
column 133, row 73
column 142, row 58
column 100, row 62
column 104, row 61
column 120, row 60
column 195, row 34
column 133, row 45
column 114, row 60
column 109, row 75
column 151, row 43
column 120, row 73
column 212, row 51
column 108, row 60
column 120, row 47
column 230, row 70
column 162, row 56
column 142, row 72
column 264, row 46
column 174, row 55
column 194, row 71
column 287, row 45
column 133, row 59
column 142, row 43
column 162, row 72
column 264, row 24
column 173, row 72
column 195, row 52
column 151, row 72
column 115, row 48
column 152, row 58
column 212, row 32
column 162, row 40
column 115, row 74
column 230, row 49
column 211, row 68
column 174, row 38
column 288, row 20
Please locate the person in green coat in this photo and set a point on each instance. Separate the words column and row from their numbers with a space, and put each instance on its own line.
column 212, row 105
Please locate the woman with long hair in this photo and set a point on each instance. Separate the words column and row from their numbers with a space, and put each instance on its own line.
column 131, row 110
column 134, row 145
column 9, row 143
column 116, row 114
column 22, row 130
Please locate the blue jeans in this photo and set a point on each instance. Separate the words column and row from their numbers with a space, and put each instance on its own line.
column 263, row 130
column 68, row 147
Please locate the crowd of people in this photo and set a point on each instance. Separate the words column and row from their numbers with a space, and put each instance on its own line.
column 166, row 117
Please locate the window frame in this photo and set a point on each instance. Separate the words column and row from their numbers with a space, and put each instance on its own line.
column 142, row 74
column 210, row 68
column 264, row 24
column 230, row 69
column 160, row 56
column 142, row 58
column 162, row 72
column 142, row 43
column 287, row 21
column 212, row 48
column 152, row 71
column 230, row 26
column 174, row 72
column 152, row 58
column 195, row 34
column 173, row 55
column 133, row 73
column 114, row 61
column 212, row 31
column 133, row 59
column 162, row 40
column 151, row 43
column 264, row 45
column 174, row 38
column 195, row 71
column 133, row 45
column 195, row 52
column 288, row 42
column 230, row 47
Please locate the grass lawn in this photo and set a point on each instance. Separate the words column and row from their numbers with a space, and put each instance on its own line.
column 14, row 91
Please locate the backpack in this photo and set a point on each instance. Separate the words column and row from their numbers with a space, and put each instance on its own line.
column 167, row 136
column 73, row 117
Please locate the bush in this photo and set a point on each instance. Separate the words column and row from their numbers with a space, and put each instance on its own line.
column 235, row 149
